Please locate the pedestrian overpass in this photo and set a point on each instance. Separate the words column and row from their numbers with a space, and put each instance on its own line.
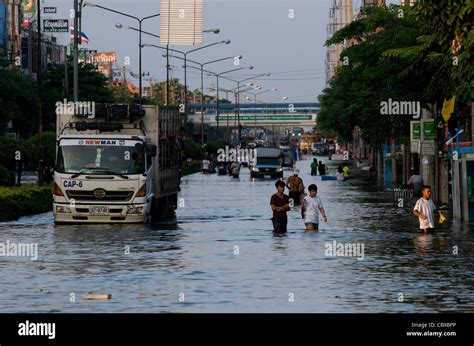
column 254, row 114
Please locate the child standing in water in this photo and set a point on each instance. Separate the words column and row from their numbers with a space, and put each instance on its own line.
column 424, row 209
column 312, row 206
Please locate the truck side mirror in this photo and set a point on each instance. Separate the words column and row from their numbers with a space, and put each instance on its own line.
column 151, row 150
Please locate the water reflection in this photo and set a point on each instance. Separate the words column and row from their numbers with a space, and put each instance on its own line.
column 423, row 244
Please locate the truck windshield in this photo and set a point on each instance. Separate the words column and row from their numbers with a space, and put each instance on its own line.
column 268, row 161
column 87, row 155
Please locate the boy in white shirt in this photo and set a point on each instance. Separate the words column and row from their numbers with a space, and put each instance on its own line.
column 424, row 209
column 312, row 206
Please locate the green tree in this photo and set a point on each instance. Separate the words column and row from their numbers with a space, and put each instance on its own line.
column 122, row 94
column 92, row 87
column 17, row 99
column 371, row 76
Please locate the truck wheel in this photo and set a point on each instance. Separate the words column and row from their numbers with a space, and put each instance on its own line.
column 164, row 208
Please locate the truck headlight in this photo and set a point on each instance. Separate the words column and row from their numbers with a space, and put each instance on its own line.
column 63, row 210
column 255, row 169
column 279, row 169
column 135, row 210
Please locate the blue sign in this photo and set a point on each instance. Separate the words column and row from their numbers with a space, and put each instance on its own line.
column 56, row 25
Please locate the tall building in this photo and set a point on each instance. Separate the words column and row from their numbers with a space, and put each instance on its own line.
column 341, row 13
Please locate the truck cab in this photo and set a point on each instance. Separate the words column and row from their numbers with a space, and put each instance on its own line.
column 113, row 169
column 107, row 178
column 268, row 164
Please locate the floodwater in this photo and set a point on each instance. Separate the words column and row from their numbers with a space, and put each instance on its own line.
column 222, row 256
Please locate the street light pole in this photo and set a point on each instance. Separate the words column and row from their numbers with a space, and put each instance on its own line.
column 140, row 21
column 214, row 31
column 202, row 83
column 255, row 108
column 218, row 75
column 185, row 68
column 184, row 58
column 76, row 52
column 40, row 95
column 238, row 93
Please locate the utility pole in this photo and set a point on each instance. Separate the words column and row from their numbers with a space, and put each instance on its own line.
column 66, row 77
column 40, row 96
column 167, row 75
column 76, row 51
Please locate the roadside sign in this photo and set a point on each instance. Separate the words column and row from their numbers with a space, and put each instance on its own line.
column 428, row 148
column 429, row 132
column 415, row 130
column 56, row 25
column 181, row 22
column 415, row 136
column 49, row 10
column 29, row 6
column 104, row 58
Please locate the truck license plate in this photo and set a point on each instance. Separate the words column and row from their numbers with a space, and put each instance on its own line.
column 267, row 176
column 99, row 210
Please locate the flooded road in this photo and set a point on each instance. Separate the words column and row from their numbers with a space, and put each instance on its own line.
column 222, row 256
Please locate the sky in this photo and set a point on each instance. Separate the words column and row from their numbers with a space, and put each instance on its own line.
column 282, row 37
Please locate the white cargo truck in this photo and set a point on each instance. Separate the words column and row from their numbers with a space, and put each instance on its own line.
column 268, row 164
column 120, row 165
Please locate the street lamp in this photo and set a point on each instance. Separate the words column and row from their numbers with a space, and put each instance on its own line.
column 218, row 75
column 185, row 54
column 213, row 31
column 238, row 92
column 140, row 20
column 202, row 84
column 255, row 109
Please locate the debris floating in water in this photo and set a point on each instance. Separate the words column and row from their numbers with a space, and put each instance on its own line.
column 96, row 296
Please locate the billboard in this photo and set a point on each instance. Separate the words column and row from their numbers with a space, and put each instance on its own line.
column 105, row 58
column 28, row 6
column 56, row 25
column 181, row 22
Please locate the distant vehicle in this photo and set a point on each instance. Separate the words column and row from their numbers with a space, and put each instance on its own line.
column 307, row 140
column 297, row 131
column 268, row 164
column 287, row 159
column 284, row 145
column 319, row 148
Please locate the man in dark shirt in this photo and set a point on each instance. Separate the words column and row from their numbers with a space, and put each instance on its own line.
column 280, row 205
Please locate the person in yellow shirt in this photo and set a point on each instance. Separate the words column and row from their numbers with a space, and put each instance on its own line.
column 345, row 170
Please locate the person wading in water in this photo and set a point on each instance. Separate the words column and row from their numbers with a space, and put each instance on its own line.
column 296, row 186
column 280, row 204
